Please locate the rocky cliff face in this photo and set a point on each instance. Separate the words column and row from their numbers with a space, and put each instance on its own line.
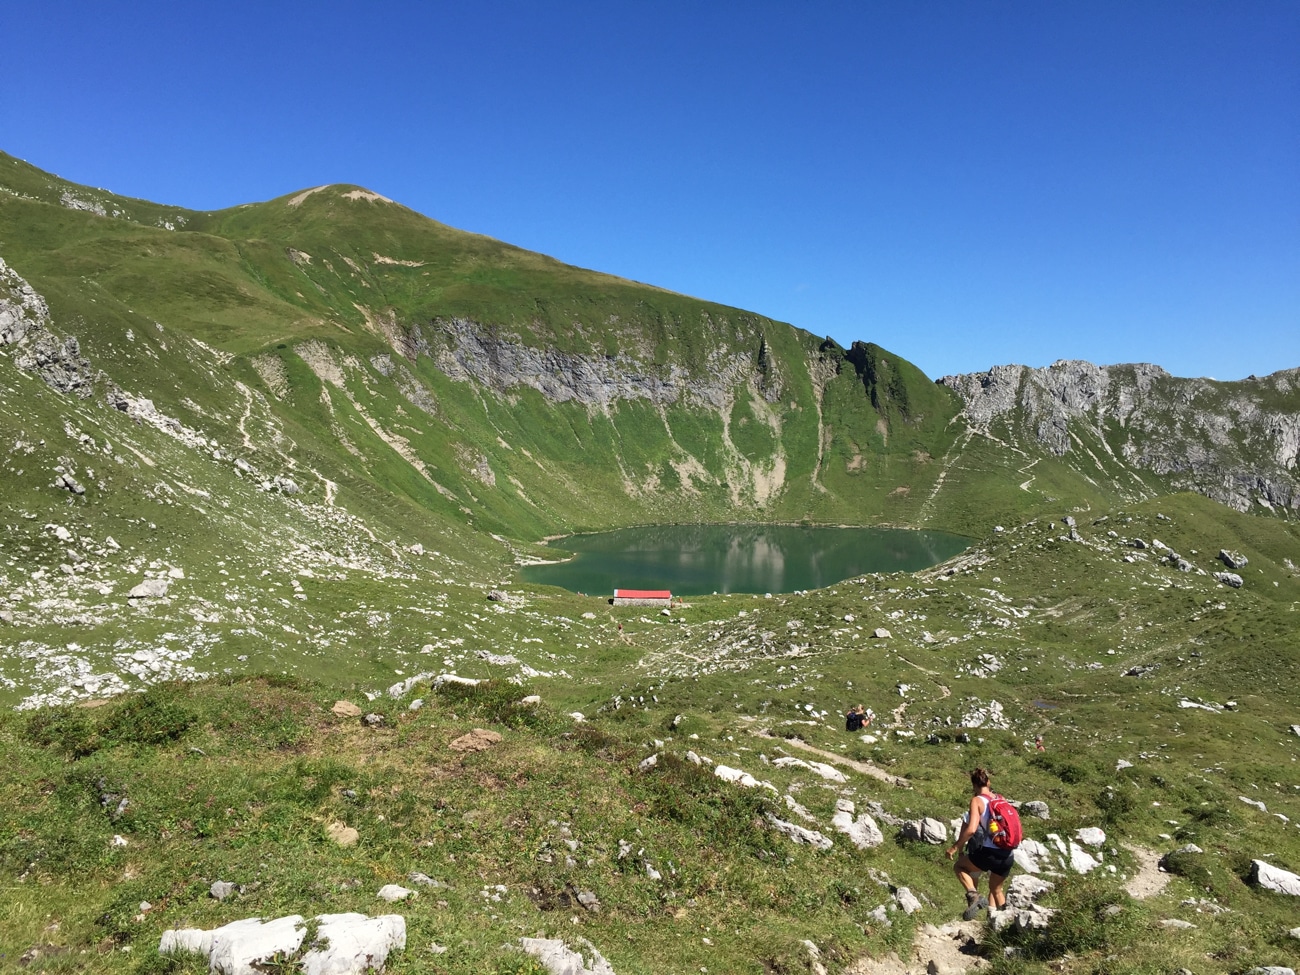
column 1236, row 442
column 464, row 350
column 24, row 325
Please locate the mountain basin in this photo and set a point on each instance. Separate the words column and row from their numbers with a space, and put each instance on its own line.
column 693, row 560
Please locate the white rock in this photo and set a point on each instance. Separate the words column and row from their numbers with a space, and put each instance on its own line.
column 149, row 589
column 1025, row 860
column 809, row 837
column 1081, row 862
column 1274, row 878
column 185, row 941
column 393, row 893
column 559, row 959
column 862, row 831
column 238, row 946
column 728, row 774
column 357, row 943
column 907, row 900
column 1024, row 890
column 1253, row 802
column 1091, row 836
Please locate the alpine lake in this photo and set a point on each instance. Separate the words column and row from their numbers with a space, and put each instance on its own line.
column 695, row 560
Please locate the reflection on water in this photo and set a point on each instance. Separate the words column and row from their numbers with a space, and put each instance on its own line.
column 698, row 559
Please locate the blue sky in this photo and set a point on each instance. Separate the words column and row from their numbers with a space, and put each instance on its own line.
column 966, row 184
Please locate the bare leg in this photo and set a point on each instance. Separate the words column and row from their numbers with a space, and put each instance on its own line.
column 967, row 873
column 997, row 896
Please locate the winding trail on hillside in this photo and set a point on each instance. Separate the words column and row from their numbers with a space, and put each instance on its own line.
column 1024, row 485
column 1149, row 880
column 949, row 459
column 866, row 768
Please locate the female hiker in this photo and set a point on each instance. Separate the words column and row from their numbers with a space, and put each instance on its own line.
column 981, row 854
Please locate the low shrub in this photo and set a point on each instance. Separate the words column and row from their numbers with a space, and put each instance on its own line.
column 152, row 718
column 68, row 729
column 1091, row 916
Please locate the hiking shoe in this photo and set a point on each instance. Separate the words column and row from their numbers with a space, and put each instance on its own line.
column 973, row 908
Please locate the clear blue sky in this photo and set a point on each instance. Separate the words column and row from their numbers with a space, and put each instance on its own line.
column 966, row 184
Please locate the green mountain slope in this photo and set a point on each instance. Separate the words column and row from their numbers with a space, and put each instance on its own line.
column 322, row 429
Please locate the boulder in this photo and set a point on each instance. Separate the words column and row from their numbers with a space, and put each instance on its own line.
column 880, row 633
column 808, row 837
column 1023, row 891
column 346, row 709
column 1229, row 579
column 1080, row 861
column 1032, row 918
column 1091, row 836
column 221, row 890
column 559, row 959
column 393, row 893
column 236, row 948
column 1036, row 808
column 907, row 900
column 149, row 589
column 1233, row 560
column 926, row 830
column 1274, row 878
column 861, row 831
column 356, row 943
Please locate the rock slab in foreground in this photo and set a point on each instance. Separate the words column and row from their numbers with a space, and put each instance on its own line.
column 559, row 959
column 1274, row 878
column 355, row 944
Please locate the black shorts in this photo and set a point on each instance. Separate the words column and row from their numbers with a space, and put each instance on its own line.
column 990, row 860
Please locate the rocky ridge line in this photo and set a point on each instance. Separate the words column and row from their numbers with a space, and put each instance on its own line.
column 1224, row 440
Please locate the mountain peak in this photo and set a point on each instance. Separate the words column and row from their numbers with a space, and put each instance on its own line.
column 342, row 190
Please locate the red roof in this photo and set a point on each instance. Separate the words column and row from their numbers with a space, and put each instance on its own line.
column 642, row 594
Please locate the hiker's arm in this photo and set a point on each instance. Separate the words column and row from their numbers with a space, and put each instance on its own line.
column 968, row 830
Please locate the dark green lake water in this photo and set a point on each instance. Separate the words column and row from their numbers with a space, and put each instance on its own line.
column 694, row 560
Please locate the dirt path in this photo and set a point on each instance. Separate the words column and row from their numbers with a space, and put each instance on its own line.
column 1149, row 880
column 948, row 948
column 866, row 768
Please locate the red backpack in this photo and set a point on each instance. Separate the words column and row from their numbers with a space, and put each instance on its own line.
column 1004, row 824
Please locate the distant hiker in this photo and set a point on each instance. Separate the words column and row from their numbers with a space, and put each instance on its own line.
column 986, row 851
column 1038, row 743
column 858, row 718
